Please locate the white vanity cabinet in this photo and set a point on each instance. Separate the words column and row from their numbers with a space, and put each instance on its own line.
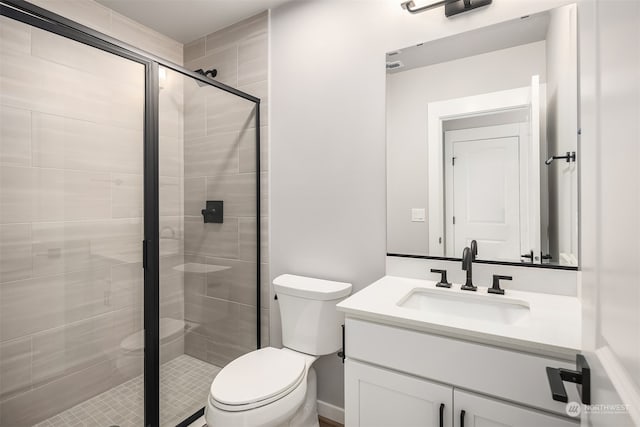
column 397, row 377
column 378, row 397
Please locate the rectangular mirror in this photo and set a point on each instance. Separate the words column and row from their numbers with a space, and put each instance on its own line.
column 474, row 122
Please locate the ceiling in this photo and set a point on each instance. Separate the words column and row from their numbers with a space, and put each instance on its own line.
column 187, row 20
column 504, row 35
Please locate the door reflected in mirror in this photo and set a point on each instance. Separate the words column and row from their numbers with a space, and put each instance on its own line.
column 473, row 123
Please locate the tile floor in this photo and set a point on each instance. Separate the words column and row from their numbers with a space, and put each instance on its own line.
column 184, row 387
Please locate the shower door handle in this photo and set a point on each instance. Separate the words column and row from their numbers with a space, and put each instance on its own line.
column 144, row 254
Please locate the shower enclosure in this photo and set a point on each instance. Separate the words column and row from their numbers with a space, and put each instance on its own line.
column 129, row 228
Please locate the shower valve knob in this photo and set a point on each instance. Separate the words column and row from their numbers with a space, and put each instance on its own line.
column 214, row 211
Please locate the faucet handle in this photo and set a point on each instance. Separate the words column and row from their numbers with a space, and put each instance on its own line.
column 443, row 283
column 495, row 289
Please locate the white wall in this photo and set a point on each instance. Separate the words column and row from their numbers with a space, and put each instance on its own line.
column 327, row 182
column 610, row 202
column 562, row 131
column 408, row 95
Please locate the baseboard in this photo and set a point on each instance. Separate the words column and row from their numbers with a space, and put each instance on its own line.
column 331, row 412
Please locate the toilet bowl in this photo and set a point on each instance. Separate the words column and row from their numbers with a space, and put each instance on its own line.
column 273, row 387
column 264, row 400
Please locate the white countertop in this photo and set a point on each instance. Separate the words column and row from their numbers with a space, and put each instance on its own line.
column 552, row 328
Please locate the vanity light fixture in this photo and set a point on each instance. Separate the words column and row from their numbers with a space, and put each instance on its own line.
column 451, row 7
column 394, row 65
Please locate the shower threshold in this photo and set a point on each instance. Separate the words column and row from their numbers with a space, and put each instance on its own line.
column 184, row 388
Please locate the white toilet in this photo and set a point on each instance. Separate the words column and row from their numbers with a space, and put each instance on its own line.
column 277, row 387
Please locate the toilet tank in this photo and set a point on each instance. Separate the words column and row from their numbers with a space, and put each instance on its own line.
column 310, row 322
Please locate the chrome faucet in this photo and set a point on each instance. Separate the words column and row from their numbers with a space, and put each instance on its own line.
column 468, row 256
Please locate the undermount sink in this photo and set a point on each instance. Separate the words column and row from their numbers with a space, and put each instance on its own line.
column 470, row 306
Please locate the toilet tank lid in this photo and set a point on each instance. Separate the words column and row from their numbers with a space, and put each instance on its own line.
column 310, row 288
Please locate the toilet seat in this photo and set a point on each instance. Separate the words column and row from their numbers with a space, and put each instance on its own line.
column 257, row 379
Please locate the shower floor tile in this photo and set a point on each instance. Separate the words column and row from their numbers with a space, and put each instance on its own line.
column 184, row 388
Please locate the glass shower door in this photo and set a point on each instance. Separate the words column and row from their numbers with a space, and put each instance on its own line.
column 71, row 223
column 77, row 181
column 208, row 263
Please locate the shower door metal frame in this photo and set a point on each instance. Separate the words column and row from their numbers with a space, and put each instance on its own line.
column 44, row 19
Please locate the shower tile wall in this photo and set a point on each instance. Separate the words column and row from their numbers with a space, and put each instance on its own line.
column 71, row 212
column 103, row 19
column 220, row 165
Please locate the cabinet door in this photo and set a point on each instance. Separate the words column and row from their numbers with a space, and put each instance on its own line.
column 376, row 397
column 485, row 412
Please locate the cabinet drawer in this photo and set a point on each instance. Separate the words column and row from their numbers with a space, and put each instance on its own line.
column 509, row 375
